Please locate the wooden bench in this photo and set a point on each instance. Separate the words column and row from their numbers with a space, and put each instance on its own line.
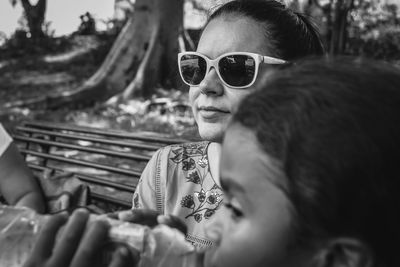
column 109, row 161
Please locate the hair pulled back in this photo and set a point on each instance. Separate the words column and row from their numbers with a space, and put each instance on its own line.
column 290, row 34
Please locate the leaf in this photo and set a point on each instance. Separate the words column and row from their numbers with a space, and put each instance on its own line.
column 198, row 217
column 179, row 155
column 187, row 202
column 194, row 178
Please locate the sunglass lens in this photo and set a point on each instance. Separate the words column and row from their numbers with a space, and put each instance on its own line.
column 193, row 69
column 237, row 70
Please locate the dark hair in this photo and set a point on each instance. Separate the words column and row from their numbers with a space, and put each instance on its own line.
column 290, row 34
column 334, row 125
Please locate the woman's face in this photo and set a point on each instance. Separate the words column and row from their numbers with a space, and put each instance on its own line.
column 212, row 102
column 254, row 227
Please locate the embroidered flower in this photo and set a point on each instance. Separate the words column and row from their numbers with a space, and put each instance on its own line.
column 193, row 150
column 198, row 217
column 187, row 202
column 203, row 162
column 194, row 178
column 212, row 199
column 188, row 165
column 209, row 213
column 201, row 196
column 178, row 156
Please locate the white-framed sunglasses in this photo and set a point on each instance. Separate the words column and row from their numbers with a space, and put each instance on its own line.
column 236, row 69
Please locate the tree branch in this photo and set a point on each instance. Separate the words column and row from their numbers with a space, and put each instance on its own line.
column 41, row 7
column 26, row 4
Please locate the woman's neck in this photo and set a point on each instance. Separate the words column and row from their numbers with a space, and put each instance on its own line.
column 214, row 156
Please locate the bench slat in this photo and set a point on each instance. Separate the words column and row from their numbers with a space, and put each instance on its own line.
column 134, row 173
column 125, row 155
column 119, row 202
column 91, row 179
column 125, row 149
column 109, row 133
column 90, row 139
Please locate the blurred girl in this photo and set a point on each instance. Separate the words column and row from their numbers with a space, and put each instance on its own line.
column 309, row 170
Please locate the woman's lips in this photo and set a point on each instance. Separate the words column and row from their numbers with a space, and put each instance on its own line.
column 209, row 112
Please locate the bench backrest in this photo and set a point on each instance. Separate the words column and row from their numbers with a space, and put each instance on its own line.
column 109, row 161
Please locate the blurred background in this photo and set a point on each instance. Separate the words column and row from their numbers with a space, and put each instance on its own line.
column 112, row 63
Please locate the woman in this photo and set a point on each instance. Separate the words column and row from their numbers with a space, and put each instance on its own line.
column 239, row 37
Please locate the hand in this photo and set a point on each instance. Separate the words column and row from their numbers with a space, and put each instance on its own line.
column 150, row 218
column 75, row 247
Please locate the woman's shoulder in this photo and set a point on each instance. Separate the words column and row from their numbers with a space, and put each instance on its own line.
column 182, row 156
column 188, row 148
column 179, row 152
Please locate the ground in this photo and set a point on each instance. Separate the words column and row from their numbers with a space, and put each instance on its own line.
column 29, row 73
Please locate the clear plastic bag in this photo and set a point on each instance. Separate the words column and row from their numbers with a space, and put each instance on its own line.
column 160, row 246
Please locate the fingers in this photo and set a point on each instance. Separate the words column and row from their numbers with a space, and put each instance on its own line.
column 45, row 242
column 152, row 218
column 173, row 222
column 114, row 215
column 140, row 216
column 93, row 241
column 124, row 257
column 70, row 238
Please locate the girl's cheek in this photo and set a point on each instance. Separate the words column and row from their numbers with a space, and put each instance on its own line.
column 218, row 225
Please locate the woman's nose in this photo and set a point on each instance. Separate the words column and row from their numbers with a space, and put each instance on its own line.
column 211, row 84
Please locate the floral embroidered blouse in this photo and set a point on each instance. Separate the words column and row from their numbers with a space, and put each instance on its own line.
column 177, row 180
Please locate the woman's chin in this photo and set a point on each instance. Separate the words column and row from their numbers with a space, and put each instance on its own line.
column 212, row 131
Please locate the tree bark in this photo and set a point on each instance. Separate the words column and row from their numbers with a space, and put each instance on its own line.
column 142, row 58
column 159, row 67
column 35, row 17
column 339, row 22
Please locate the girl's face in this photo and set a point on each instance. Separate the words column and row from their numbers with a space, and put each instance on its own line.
column 254, row 227
column 212, row 102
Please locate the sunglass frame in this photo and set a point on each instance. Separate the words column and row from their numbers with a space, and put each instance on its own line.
column 214, row 63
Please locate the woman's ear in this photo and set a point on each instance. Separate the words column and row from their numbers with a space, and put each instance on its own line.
column 344, row 252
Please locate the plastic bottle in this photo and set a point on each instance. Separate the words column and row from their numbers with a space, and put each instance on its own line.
column 160, row 246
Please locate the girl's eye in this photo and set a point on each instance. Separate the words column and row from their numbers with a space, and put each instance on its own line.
column 236, row 213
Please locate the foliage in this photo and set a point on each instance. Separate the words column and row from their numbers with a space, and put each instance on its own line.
column 19, row 46
column 170, row 115
column 374, row 30
column 167, row 112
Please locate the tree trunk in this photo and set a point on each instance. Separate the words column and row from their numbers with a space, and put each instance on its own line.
column 35, row 17
column 159, row 67
column 142, row 57
column 339, row 26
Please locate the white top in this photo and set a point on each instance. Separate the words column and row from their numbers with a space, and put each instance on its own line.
column 5, row 139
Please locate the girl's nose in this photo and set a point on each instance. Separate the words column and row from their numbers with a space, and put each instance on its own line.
column 215, row 226
column 211, row 84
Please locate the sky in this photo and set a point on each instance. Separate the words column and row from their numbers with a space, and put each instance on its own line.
column 63, row 14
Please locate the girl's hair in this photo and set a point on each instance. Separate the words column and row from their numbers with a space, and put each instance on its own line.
column 334, row 125
column 290, row 35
